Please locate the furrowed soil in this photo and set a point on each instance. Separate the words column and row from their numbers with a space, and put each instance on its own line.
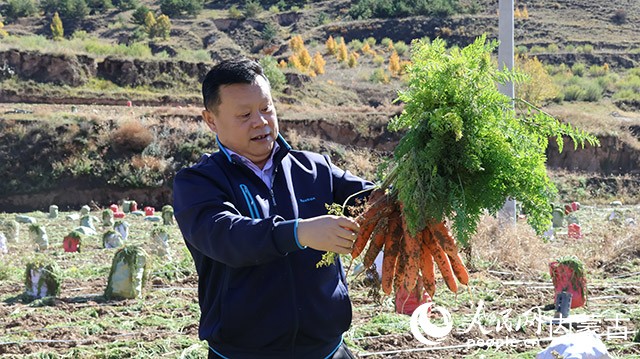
column 503, row 313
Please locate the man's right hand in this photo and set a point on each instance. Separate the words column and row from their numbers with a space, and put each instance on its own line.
column 328, row 233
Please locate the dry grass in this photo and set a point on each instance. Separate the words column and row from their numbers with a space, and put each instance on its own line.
column 605, row 246
column 131, row 136
column 149, row 163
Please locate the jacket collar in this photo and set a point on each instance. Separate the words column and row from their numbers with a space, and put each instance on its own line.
column 282, row 151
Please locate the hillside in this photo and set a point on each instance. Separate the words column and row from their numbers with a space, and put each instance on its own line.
column 89, row 78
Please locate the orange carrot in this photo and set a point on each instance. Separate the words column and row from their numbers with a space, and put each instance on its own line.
column 401, row 267
column 441, row 259
column 412, row 249
column 445, row 240
column 459, row 269
column 379, row 235
column 389, row 264
column 426, row 267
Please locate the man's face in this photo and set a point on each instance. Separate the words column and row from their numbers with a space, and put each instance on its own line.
column 245, row 120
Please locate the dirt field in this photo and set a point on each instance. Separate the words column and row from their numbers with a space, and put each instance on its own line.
column 510, row 297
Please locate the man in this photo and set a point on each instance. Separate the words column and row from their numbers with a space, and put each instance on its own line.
column 253, row 216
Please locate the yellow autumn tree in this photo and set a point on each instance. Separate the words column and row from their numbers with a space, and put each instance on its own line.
column 516, row 13
column 394, row 64
column 353, row 60
column 366, row 49
column 540, row 87
column 296, row 43
column 150, row 24
column 162, row 28
column 318, row 63
column 57, row 30
column 305, row 58
column 343, row 53
column 524, row 13
column 294, row 61
column 332, row 46
column 282, row 64
column 3, row 32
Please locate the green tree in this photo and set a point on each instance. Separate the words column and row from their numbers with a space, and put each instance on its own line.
column 70, row 11
column 176, row 8
column 99, row 5
column 251, row 9
column 16, row 9
column 162, row 27
column 272, row 71
column 57, row 30
column 124, row 5
column 269, row 32
column 140, row 14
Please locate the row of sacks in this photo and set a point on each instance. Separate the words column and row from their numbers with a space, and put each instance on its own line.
column 112, row 238
column 127, row 277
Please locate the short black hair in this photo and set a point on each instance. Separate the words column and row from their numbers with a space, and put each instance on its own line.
column 239, row 70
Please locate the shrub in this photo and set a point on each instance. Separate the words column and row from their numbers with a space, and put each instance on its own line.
column 569, row 48
column 70, row 11
column 99, row 5
column 596, row 71
column 378, row 60
column 386, row 42
column 251, row 9
column 365, row 9
column 619, row 17
column 537, row 49
column 140, row 14
column 578, row 69
column 540, row 87
column 573, row 93
column 15, row 9
column 176, row 8
column 273, row 72
column 234, row 12
column 552, row 48
column 131, row 137
column 124, row 5
column 269, row 32
column 379, row 76
column 521, row 50
column 401, row 47
column 592, row 92
column 356, row 45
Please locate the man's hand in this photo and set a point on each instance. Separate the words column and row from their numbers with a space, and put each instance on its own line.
column 328, row 233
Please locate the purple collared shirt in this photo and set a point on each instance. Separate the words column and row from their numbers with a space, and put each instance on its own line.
column 266, row 173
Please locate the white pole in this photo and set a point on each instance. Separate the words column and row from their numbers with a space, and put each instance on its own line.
column 507, row 214
column 505, row 35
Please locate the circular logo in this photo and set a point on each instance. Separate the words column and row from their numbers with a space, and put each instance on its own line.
column 420, row 323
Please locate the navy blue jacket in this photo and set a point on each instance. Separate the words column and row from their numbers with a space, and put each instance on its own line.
column 260, row 293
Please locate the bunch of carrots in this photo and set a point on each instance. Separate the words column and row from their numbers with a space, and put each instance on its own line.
column 408, row 259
